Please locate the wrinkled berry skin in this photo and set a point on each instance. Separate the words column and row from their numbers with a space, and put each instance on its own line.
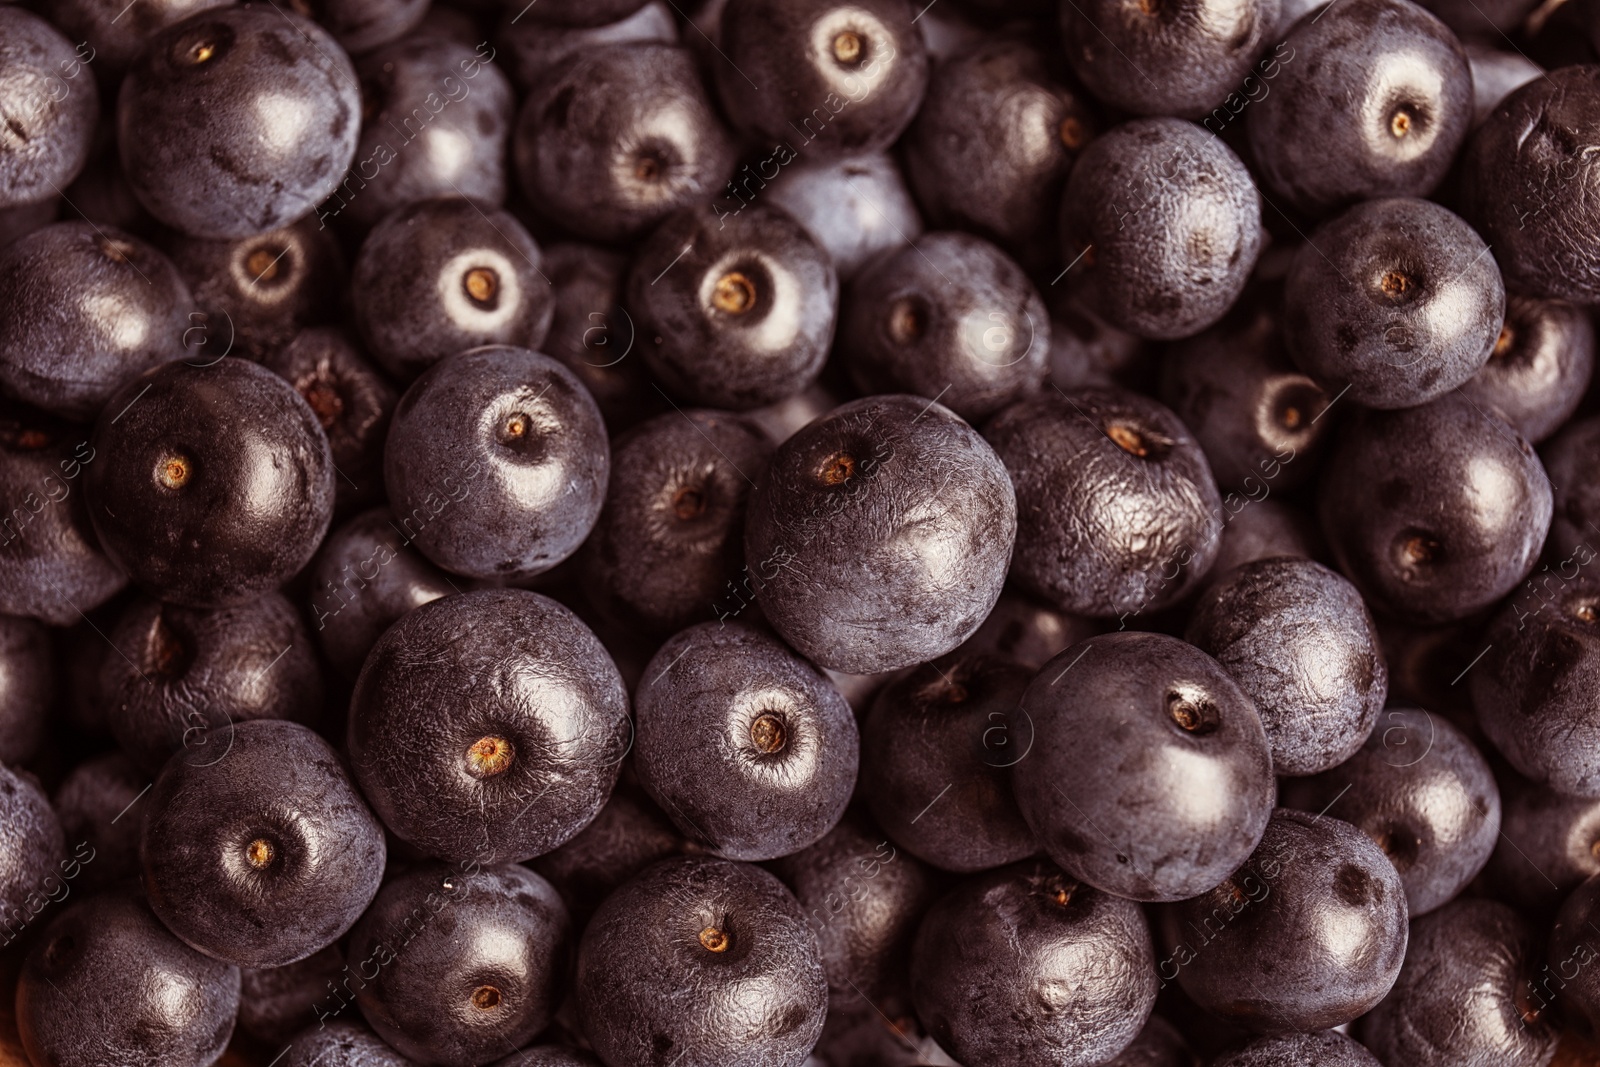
column 1404, row 306
column 51, row 564
column 1302, row 645
column 745, row 316
column 270, row 98
column 439, row 276
column 59, row 347
column 212, row 484
column 1091, row 467
column 1575, row 516
column 1306, row 935
column 497, row 463
column 1023, row 965
column 1202, row 49
column 566, row 142
column 499, row 664
column 341, row 1044
column 844, row 79
column 206, row 872
column 952, row 318
column 887, row 507
column 27, row 688
column 1110, row 716
column 1539, row 368
column 1373, row 100
column 1546, row 846
column 108, row 984
column 703, row 963
column 1424, row 794
column 183, row 677
column 1468, row 980
column 95, row 797
column 750, row 750
column 50, row 121
column 1160, row 227
column 1399, row 504
column 670, row 541
column 33, row 853
column 1325, row 1048
column 470, row 960
column 1519, row 178
column 937, row 748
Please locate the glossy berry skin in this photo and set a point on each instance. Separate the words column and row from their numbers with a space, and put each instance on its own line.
column 1424, row 794
column 594, row 335
column 50, row 123
column 366, row 576
column 352, row 400
column 1308, row 934
column 565, row 144
column 270, row 95
column 488, row 725
column 51, row 563
column 107, row 984
column 183, row 677
column 439, row 122
column 835, row 79
column 438, row 276
column 670, row 541
column 1110, row 716
column 1516, row 178
column 953, row 318
column 1547, row 847
column 27, row 687
column 1575, row 517
column 1539, row 368
column 94, row 798
column 584, row 12
column 1160, row 227
column 33, row 853
column 993, row 142
column 264, row 853
column 1023, row 965
column 1404, row 305
column 1256, row 416
column 1496, row 75
column 497, row 463
column 1531, row 691
column 703, row 962
column 1570, row 952
column 341, row 1044
column 856, row 207
column 59, row 350
column 1325, row 1048
column 1302, row 645
column 1159, row 1044
column 887, row 507
column 937, row 747
column 213, row 484
column 531, row 49
column 1202, row 49
column 1373, row 100
column 1466, row 994
column 113, row 37
column 744, row 317
column 628, row 835
column 548, row 1056
column 470, row 960
column 1088, row 468
column 1416, row 543
column 362, row 25
column 747, row 748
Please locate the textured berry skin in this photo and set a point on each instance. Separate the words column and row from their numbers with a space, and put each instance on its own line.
column 1306, row 935
column 651, row 991
column 1373, row 100
column 1404, row 306
column 503, row 664
column 1086, row 466
column 33, row 854
column 1325, row 1048
column 745, row 316
column 1023, row 965
column 108, row 986
column 1110, row 716
column 887, row 507
column 548, row 1056
column 1539, row 367
column 50, row 122
column 749, row 749
column 1159, row 1044
column 1302, row 645
column 439, row 276
column 27, row 688
column 272, row 99
column 213, row 484
column 937, row 749
column 342, row 1044
column 59, row 350
column 1417, row 544
column 497, row 463
column 1174, row 224
column 210, row 879
column 1462, row 995
column 470, row 960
